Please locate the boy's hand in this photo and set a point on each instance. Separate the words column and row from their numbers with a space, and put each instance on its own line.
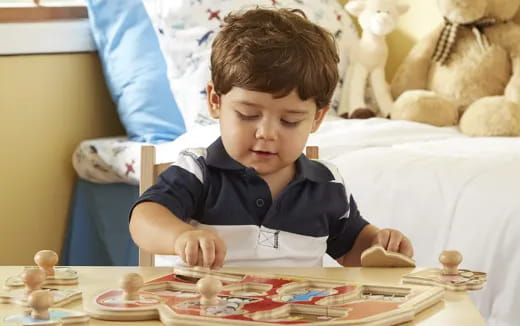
column 201, row 248
column 393, row 240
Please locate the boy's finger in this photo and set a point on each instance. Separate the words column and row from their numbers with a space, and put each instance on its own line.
column 181, row 251
column 220, row 253
column 191, row 251
column 394, row 241
column 200, row 259
column 406, row 247
column 208, row 252
column 382, row 238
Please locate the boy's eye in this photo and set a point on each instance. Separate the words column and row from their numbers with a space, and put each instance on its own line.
column 242, row 116
column 290, row 123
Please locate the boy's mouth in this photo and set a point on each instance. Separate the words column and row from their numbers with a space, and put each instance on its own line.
column 263, row 153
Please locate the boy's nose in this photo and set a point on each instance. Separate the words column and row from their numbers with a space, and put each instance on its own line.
column 266, row 130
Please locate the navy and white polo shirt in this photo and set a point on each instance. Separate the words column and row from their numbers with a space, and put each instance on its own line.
column 313, row 215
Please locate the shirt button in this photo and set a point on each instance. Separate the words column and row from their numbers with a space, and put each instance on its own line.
column 260, row 202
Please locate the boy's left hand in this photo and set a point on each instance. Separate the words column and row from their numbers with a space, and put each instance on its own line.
column 393, row 240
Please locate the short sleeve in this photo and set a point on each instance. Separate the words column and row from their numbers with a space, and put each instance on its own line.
column 179, row 188
column 347, row 224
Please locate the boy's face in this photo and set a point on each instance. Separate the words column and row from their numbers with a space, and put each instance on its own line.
column 263, row 132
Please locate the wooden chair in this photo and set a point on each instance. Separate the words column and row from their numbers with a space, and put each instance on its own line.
column 150, row 170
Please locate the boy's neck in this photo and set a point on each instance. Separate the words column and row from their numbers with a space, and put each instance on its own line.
column 278, row 180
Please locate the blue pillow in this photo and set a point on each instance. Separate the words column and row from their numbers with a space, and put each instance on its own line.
column 135, row 70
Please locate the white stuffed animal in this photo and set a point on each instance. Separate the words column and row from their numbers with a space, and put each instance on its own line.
column 367, row 58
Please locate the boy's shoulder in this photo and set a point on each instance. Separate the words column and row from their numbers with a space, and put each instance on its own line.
column 194, row 153
column 192, row 160
column 324, row 170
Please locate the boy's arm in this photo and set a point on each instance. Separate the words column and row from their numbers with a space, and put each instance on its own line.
column 155, row 228
column 363, row 241
column 390, row 239
column 353, row 233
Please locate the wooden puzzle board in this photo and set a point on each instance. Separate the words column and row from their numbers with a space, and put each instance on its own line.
column 464, row 279
column 248, row 299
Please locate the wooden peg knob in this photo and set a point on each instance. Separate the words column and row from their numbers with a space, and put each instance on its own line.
column 46, row 260
column 33, row 279
column 209, row 287
column 450, row 260
column 131, row 283
column 40, row 301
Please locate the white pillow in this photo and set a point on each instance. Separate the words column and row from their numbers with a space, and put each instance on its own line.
column 186, row 29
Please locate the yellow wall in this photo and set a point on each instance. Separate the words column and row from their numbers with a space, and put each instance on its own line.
column 48, row 104
column 421, row 18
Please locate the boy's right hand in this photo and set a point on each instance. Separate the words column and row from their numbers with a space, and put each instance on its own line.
column 201, row 248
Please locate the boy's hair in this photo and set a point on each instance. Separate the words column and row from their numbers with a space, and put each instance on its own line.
column 275, row 51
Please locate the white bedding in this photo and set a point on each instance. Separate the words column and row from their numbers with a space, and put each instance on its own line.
column 449, row 194
column 441, row 188
column 115, row 159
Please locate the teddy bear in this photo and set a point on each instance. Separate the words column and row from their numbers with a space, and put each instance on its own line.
column 465, row 72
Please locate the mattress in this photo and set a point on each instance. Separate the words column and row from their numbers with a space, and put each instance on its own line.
column 116, row 159
column 441, row 188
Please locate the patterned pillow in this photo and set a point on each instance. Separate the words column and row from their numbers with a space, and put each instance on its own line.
column 186, row 29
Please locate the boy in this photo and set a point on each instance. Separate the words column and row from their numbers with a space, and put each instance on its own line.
column 252, row 198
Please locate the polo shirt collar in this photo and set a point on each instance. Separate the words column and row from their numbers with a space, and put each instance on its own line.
column 219, row 158
column 308, row 169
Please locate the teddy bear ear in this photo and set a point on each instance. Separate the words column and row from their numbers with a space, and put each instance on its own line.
column 355, row 7
column 402, row 8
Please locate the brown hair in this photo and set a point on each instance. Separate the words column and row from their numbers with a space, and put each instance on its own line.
column 275, row 51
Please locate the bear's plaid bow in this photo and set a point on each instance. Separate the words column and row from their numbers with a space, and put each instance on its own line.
column 448, row 36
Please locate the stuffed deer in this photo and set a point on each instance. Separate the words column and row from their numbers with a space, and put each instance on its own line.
column 367, row 58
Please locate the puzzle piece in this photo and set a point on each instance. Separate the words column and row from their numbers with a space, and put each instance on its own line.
column 46, row 261
column 61, row 297
column 449, row 277
column 131, row 283
column 33, row 279
column 197, row 272
column 209, row 287
column 377, row 256
column 40, row 314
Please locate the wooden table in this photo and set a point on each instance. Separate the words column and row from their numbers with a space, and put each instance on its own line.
column 456, row 309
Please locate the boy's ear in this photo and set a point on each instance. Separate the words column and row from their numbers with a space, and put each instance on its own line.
column 318, row 118
column 213, row 101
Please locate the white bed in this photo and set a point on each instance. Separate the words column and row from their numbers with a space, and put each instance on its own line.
column 441, row 188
